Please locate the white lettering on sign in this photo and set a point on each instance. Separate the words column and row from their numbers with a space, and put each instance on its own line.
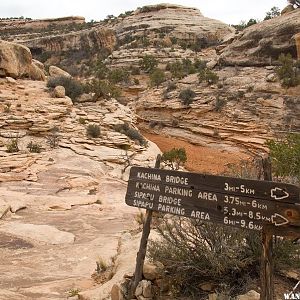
column 144, row 196
column 143, row 204
column 147, row 186
column 177, row 179
column 240, row 188
column 207, row 196
column 149, row 176
column 200, row 215
column 171, row 209
column 178, row 191
column 169, row 200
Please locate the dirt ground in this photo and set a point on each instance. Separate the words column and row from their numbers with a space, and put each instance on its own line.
column 199, row 159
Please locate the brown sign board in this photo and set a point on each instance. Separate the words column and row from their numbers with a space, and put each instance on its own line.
column 242, row 203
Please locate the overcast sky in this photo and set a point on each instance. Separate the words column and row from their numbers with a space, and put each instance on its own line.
column 230, row 11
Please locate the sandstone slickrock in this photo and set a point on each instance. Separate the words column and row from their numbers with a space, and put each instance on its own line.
column 95, row 39
column 261, row 43
column 40, row 233
column 181, row 22
column 16, row 62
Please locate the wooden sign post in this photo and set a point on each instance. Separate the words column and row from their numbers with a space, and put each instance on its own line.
column 143, row 245
column 264, row 206
column 266, row 277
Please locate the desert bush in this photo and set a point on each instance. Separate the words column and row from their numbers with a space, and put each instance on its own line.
column 102, row 88
column 73, row 87
column 134, row 70
column 174, row 158
column 99, row 69
column 157, row 77
column 82, row 121
column 118, row 75
column 54, row 137
column 209, row 76
column 148, row 63
column 187, row 96
column 13, row 145
column 288, row 72
column 219, row 104
column 199, row 64
column 131, row 132
column 194, row 252
column 34, row 147
column 93, row 130
column 285, row 155
column 171, row 87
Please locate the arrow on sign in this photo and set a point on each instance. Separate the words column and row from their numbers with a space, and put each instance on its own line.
column 279, row 194
column 279, row 220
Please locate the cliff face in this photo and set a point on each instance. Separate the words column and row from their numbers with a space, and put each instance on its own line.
column 95, row 38
column 19, row 24
column 174, row 21
column 259, row 44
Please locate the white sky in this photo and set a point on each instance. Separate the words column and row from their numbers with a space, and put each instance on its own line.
column 228, row 11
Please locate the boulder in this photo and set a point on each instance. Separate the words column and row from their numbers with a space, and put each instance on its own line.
column 58, row 72
column 151, row 271
column 262, row 43
column 251, row 295
column 59, row 91
column 16, row 62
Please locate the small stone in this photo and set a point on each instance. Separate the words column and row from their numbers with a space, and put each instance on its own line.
column 251, row 295
column 59, row 91
column 206, row 287
column 147, row 289
column 10, row 80
column 271, row 78
column 151, row 271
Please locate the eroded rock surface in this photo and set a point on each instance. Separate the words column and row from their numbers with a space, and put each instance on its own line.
column 260, row 44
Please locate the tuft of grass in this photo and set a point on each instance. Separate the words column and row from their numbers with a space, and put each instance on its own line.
column 93, row 130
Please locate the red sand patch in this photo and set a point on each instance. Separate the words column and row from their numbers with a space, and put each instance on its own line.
column 199, row 159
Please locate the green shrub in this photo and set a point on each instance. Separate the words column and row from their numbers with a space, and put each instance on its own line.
column 118, row 75
column 54, row 137
column 104, row 89
column 157, row 77
column 82, row 121
column 288, row 72
column 199, row 64
column 13, row 145
column 285, row 155
column 134, row 70
column 171, row 87
column 99, row 69
column 34, row 147
column 187, row 96
column 148, row 63
column 93, row 130
column 209, row 76
column 73, row 87
column 131, row 132
column 220, row 103
column 174, row 158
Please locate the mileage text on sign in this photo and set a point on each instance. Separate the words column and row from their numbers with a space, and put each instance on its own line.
column 231, row 201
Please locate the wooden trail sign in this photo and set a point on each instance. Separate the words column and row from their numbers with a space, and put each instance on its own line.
column 242, row 203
